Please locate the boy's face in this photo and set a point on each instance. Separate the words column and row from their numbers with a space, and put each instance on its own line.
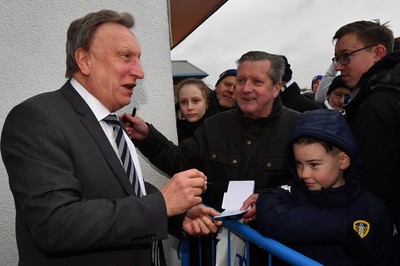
column 318, row 168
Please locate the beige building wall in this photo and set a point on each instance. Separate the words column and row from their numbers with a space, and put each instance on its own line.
column 32, row 61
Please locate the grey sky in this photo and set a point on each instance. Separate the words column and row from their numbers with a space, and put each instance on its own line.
column 301, row 30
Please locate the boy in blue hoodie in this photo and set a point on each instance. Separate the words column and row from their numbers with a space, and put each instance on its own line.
column 324, row 213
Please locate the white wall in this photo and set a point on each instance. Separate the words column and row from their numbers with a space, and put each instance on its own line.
column 32, row 60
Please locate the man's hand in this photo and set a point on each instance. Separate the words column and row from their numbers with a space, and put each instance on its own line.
column 135, row 127
column 198, row 221
column 250, row 216
column 183, row 191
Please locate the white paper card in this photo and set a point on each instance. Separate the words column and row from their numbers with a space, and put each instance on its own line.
column 238, row 192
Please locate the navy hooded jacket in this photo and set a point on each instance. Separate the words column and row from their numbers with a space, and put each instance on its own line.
column 334, row 226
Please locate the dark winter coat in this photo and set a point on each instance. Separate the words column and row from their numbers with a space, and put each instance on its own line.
column 324, row 225
column 292, row 98
column 228, row 146
column 374, row 117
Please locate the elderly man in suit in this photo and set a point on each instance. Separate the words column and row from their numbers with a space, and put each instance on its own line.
column 74, row 203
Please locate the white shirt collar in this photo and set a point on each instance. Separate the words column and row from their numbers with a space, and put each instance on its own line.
column 99, row 110
column 327, row 104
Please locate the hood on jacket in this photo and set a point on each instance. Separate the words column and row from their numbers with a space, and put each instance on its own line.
column 384, row 73
column 330, row 126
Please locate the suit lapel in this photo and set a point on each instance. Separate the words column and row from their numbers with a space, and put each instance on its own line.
column 91, row 124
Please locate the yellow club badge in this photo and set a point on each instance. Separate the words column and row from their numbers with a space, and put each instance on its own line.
column 361, row 227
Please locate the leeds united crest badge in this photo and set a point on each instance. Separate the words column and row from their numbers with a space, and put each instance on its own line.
column 361, row 227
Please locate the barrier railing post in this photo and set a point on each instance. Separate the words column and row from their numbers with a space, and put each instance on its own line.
column 184, row 250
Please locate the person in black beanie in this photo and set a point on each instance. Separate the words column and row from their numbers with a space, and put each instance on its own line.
column 290, row 93
column 337, row 95
column 222, row 98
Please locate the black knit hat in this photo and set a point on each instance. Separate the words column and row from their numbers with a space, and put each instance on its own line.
column 226, row 73
column 337, row 82
column 287, row 76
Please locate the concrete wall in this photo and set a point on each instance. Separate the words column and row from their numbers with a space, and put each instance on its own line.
column 32, row 60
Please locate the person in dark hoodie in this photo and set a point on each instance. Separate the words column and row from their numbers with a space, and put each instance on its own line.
column 363, row 55
column 323, row 213
column 290, row 93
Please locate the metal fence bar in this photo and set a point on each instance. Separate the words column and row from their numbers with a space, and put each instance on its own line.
column 184, row 253
column 272, row 246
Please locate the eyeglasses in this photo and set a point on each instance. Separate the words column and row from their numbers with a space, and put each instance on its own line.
column 344, row 58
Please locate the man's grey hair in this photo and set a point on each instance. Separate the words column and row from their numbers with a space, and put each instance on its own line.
column 277, row 64
column 81, row 31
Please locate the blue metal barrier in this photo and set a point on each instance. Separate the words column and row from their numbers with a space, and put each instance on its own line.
column 273, row 247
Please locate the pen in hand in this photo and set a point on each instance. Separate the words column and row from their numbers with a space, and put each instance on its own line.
column 133, row 114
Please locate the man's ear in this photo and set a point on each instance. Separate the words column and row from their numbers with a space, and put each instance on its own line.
column 82, row 60
column 277, row 88
column 344, row 160
column 380, row 52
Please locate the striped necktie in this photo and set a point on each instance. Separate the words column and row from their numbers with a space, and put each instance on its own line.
column 124, row 153
column 130, row 170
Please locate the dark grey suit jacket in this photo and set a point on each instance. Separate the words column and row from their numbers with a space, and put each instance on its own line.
column 74, row 203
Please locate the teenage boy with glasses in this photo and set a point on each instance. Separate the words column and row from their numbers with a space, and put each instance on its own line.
column 363, row 55
column 344, row 58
